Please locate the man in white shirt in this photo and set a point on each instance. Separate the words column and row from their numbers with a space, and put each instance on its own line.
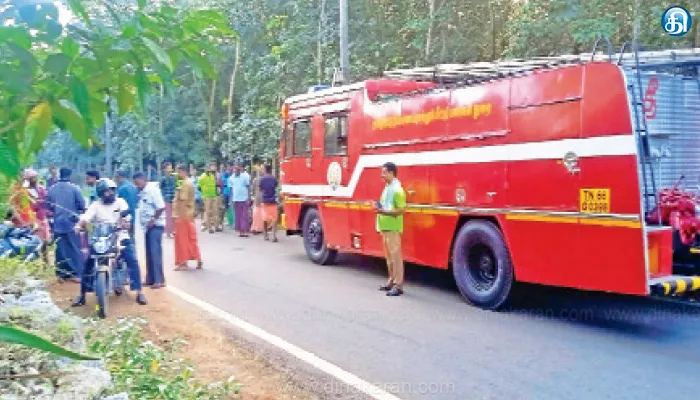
column 151, row 211
column 240, row 197
column 109, row 209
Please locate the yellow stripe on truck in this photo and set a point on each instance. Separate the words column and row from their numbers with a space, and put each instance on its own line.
column 681, row 286
column 676, row 286
column 696, row 284
column 667, row 288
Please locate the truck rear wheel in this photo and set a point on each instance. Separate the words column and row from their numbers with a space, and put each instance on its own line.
column 314, row 240
column 482, row 266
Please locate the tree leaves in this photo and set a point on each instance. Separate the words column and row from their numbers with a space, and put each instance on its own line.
column 18, row 336
column 15, row 35
column 57, row 64
column 81, row 98
column 130, row 31
column 70, row 48
column 51, row 75
column 37, row 127
column 142, row 86
column 66, row 116
column 79, row 10
column 25, row 58
column 126, row 98
column 158, row 51
column 10, row 165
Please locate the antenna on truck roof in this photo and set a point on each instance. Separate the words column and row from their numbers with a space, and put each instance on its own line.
column 484, row 71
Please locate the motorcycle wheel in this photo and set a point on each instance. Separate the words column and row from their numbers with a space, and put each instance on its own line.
column 101, row 291
column 119, row 277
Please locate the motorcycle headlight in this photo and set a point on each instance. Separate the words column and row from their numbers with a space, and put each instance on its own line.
column 101, row 245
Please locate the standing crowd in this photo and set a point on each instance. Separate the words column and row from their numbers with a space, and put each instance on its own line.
column 60, row 212
column 249, row 203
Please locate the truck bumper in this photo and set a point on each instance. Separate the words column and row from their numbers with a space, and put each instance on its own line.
column 674, row 284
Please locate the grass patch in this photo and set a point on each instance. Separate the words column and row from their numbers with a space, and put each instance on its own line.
column 13, row 269
column 146, row 370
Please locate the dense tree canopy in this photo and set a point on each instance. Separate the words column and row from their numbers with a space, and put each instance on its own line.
column 74, row 77
column 230, row 110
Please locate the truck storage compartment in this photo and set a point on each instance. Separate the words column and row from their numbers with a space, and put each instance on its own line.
column 666, row 120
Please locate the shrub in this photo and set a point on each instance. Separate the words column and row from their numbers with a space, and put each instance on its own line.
column 146, row 370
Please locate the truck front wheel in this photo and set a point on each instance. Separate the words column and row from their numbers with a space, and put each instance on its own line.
column 482, row 266
column 314, row 240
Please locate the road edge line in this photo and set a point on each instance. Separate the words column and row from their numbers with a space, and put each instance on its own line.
column 315, row 361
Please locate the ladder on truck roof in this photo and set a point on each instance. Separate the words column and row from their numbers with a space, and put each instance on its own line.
column 484, row 71
column 636, row 60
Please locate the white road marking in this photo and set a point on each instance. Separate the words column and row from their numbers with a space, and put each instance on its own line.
column 333, row 370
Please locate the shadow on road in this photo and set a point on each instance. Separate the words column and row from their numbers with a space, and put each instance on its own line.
column 641, row 317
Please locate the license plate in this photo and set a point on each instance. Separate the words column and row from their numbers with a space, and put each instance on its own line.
column 595, row 201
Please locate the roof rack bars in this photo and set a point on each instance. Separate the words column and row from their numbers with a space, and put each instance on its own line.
column 479, row 71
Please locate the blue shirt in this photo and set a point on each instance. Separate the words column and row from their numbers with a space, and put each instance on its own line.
column 240, row 186
column 227, row 185
column 91, row 192
column 66, row 201
column 128, row 191
column 197, row 192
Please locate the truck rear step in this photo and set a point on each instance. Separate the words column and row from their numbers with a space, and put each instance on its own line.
column 674, row 284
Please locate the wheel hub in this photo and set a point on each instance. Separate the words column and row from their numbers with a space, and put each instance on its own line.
column 315, row 234
column 482, row 267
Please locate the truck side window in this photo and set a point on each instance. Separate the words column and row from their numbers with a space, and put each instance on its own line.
column 288, row 140
column 302, row 137
column 335, row 139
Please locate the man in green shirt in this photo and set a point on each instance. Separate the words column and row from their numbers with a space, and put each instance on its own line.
column 389, row 211
column 208, row 187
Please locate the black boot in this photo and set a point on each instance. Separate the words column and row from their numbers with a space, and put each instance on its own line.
column 79, row 301
column 141, row 299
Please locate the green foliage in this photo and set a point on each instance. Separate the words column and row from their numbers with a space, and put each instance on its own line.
column 146, row 370
column 10, row 268
column 13, row 335
column 13, row 271
column 288, row 46
column 54, row 76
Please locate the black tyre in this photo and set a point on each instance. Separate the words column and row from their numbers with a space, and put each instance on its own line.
column 482, row 266
column 101, row 291
column 314, row 240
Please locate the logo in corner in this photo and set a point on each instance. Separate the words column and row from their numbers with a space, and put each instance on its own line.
column 676, row 21
column 334, row 175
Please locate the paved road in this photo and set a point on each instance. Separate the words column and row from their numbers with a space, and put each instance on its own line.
column 429, row 344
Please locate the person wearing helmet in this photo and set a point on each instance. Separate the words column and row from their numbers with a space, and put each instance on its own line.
column 109, row 209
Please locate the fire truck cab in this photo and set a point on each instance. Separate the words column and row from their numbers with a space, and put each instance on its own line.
column 546, row 171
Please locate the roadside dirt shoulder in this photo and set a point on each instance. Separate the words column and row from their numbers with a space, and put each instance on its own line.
column 214, row 355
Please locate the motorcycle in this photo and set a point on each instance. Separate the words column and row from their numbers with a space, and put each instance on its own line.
column 110, row 267
column 19, row 243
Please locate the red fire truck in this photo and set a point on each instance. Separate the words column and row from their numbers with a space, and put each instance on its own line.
column 545, row 171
